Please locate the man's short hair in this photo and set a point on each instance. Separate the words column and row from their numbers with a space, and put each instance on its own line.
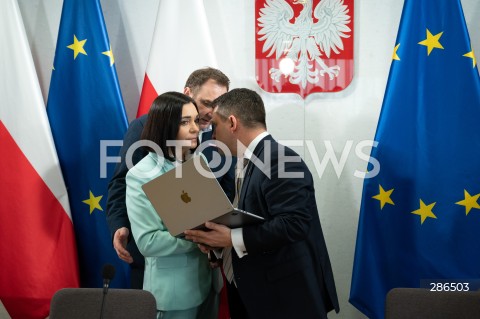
column 244, row 104
column 201, row 76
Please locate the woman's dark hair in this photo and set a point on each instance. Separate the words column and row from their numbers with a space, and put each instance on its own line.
column 163, row 121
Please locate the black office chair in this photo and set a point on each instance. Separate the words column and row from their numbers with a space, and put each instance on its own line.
column 83, row 303
column 413, row 303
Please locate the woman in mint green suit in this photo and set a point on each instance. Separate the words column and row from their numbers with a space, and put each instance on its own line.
column 176, row 271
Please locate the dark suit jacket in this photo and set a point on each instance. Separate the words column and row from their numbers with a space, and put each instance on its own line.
column 287, row 272
column 116, row 209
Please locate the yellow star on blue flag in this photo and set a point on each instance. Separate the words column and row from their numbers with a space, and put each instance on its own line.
column 425, row 211
column 432, row 42
column 77, row 47
column 384, row 196
column 469, row 202
column 109, row 53
column 471, row 55
column 93, row 202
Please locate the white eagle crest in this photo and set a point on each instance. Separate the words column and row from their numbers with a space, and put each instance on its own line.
column 304, row 41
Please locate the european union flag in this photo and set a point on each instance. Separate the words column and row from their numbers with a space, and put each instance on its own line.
column 86, row 111
column 420, row 215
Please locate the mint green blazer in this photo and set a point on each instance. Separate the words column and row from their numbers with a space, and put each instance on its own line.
column 177, row 273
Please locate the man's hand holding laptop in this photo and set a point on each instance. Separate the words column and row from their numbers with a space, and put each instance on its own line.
column 218, row 236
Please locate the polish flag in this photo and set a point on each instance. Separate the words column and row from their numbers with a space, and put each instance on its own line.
column 37, row 242
column 181, row 44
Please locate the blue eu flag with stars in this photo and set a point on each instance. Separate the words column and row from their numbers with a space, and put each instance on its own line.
column 419, row 221
column 86, row 111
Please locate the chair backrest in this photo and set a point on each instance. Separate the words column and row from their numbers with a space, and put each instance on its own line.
column 82, row 303
column 405, row 303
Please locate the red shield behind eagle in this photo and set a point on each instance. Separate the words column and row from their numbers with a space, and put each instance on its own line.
column 304, row 46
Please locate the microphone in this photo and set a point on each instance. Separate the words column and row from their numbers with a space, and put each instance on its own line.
column 108, row 272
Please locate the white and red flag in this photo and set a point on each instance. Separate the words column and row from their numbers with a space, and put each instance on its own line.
column 37, row 240
column 181, row 43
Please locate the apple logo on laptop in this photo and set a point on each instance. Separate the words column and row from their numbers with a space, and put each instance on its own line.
column 185, row 198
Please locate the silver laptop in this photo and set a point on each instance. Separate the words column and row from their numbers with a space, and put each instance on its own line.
column 189, row 195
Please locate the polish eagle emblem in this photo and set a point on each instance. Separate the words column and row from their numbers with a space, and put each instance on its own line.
column 305, row 41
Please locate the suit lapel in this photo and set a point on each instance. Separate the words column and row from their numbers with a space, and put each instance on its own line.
column 258, row 154
column 207, row 151
column 207, row 136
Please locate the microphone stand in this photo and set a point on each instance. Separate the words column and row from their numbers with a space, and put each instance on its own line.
column 105, row 289
column 107, row 273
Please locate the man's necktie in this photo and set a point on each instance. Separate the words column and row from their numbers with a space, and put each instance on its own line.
column 227, row 252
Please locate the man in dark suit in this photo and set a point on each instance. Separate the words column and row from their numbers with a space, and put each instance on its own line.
column 203, row 85
column 281, row 267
